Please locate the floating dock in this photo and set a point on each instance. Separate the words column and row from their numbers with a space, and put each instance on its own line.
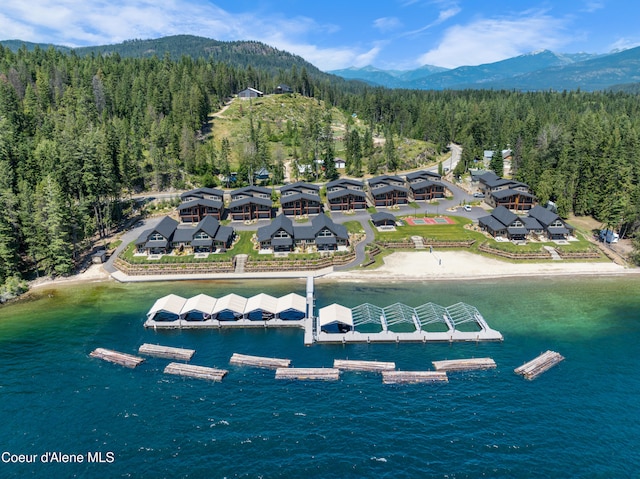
column 537, row 366
column 412, row 377
column 464, row 364
column 166, row 352
column 199, row 372
column 123, row 359
column 374, row 366
column 259, row 362
column 311, row 374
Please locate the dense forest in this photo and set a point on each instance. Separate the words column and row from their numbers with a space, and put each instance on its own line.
column 79, row 133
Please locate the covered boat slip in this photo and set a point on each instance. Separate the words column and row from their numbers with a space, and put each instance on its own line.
column 203, row 311
column 400, row 323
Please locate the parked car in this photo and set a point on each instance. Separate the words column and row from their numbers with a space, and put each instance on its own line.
column 478, row 195
column 467, row 207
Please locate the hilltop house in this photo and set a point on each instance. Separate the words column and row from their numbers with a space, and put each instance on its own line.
column 250, row 93
column 346, row 194
column 425, row 185
column 322, row 234
column 250, row 202
column 201, row 202
column 388, row 191
column 300, row 198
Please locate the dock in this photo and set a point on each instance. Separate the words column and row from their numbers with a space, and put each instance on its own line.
column 412, row 377
column 259, row 362
column 373, row 366
column 199, row 372
column 310, row 374
column 166, row 352
column 123, row 359
column 539, row 365
column 464, row 364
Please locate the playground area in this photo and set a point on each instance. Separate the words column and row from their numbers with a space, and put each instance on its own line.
column 440, row 220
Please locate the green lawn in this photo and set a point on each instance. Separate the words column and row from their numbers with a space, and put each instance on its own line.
column 454, row 232
column 353, row 226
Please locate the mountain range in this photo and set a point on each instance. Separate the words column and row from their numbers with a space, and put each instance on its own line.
column 542, row 70
column 537, row 71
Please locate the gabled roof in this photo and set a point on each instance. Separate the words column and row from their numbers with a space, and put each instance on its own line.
column 251, row 199
column 503, row 215
column 488, row 176
column 183, row 234
column 299, row 196
column 544, row 216
column 509, row 192
column 250, row 190
column 231, row 302
column 385, row 179
column 208, row 225
column 291, row 301
column 263, row 302
column 280, row 222
column 335, row 313
column 344, row 183
column 224, row 234
column 298, row 186
column 346, row 192
column 387, row 189
column 424, row 174
column 323, row 221
column 217, row 204
column 171, row 303
column 382, row 216
column 200, row 192
column 201, row 302
column 531, row 223
column 419, row 185
column 165, row 227
column 491, row 222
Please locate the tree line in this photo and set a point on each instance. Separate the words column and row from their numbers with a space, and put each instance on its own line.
column 78, row 134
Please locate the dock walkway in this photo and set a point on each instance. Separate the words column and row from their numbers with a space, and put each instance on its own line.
column 539, row 365
column 166, row 352
column 412, row 377
column 199, row 372
column 464, row 364
column 123, row 359
column 259, row 362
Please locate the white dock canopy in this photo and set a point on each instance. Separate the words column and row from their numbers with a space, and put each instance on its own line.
column 335, row 319
column 261, row 306
column 167, row 308
column 198, row 308
column 229, row 307
column 292, row 306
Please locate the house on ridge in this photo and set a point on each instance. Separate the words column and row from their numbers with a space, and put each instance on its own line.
column 248, row 93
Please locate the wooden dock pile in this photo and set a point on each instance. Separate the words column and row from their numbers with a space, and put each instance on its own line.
column 374, row 366
column 405, row 377
column 199, row 372
column 123, row 359
column 166, row 352
column 311, row 374
column 259, row 362
column 537, row 366
column 464, row 364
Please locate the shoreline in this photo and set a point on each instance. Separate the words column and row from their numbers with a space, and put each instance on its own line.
column 397, row 267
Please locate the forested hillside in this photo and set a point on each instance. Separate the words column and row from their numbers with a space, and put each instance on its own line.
column 78, row 133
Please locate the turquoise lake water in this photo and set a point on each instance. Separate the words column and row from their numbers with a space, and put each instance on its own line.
column 581, row 419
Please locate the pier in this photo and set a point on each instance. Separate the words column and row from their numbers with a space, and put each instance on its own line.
column 166, row 352
column 413, row 377
column 464, row 364
column 539, row 365
column 199, row 372
column 308, row 374
column 259, row 362
column 123, row 359
column 373, row 366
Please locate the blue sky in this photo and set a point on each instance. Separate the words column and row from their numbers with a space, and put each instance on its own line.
column 388, row 34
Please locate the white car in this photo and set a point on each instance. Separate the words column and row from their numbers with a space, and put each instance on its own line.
column 467, row 207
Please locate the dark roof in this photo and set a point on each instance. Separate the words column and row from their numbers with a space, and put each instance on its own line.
column 382, row 216
column 202, row 242
column 165, row 227
column 299, row 185
column 183, row 234
column 323, row 221
column 217, row 204
column 200, row 192
column 250, row 190
column 531, row 223
column 386, row 189
column 304, row 232
column 419, row 185
column 326, row 240
column 543, row 215
column 558, row 230
column 385, row 179
column 424, row 174
column 249, row 200
column 513, row 231
column 341, row 193
column 491, row 222
column 224, row 234
column 503, row 215
column 280, row 222
column 509, row 192
column 209, row 225
column 281, row 241
column 299, row 196
column 342, row 182
column 156, row 244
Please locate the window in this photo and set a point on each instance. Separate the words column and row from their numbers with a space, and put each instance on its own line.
column 281, row 234
column 156, row 237
column 201, row 235
column 325, row 232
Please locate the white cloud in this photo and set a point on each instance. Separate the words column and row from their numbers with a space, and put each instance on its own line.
column 624, row 44
column 491, row 40
column 387, row 24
